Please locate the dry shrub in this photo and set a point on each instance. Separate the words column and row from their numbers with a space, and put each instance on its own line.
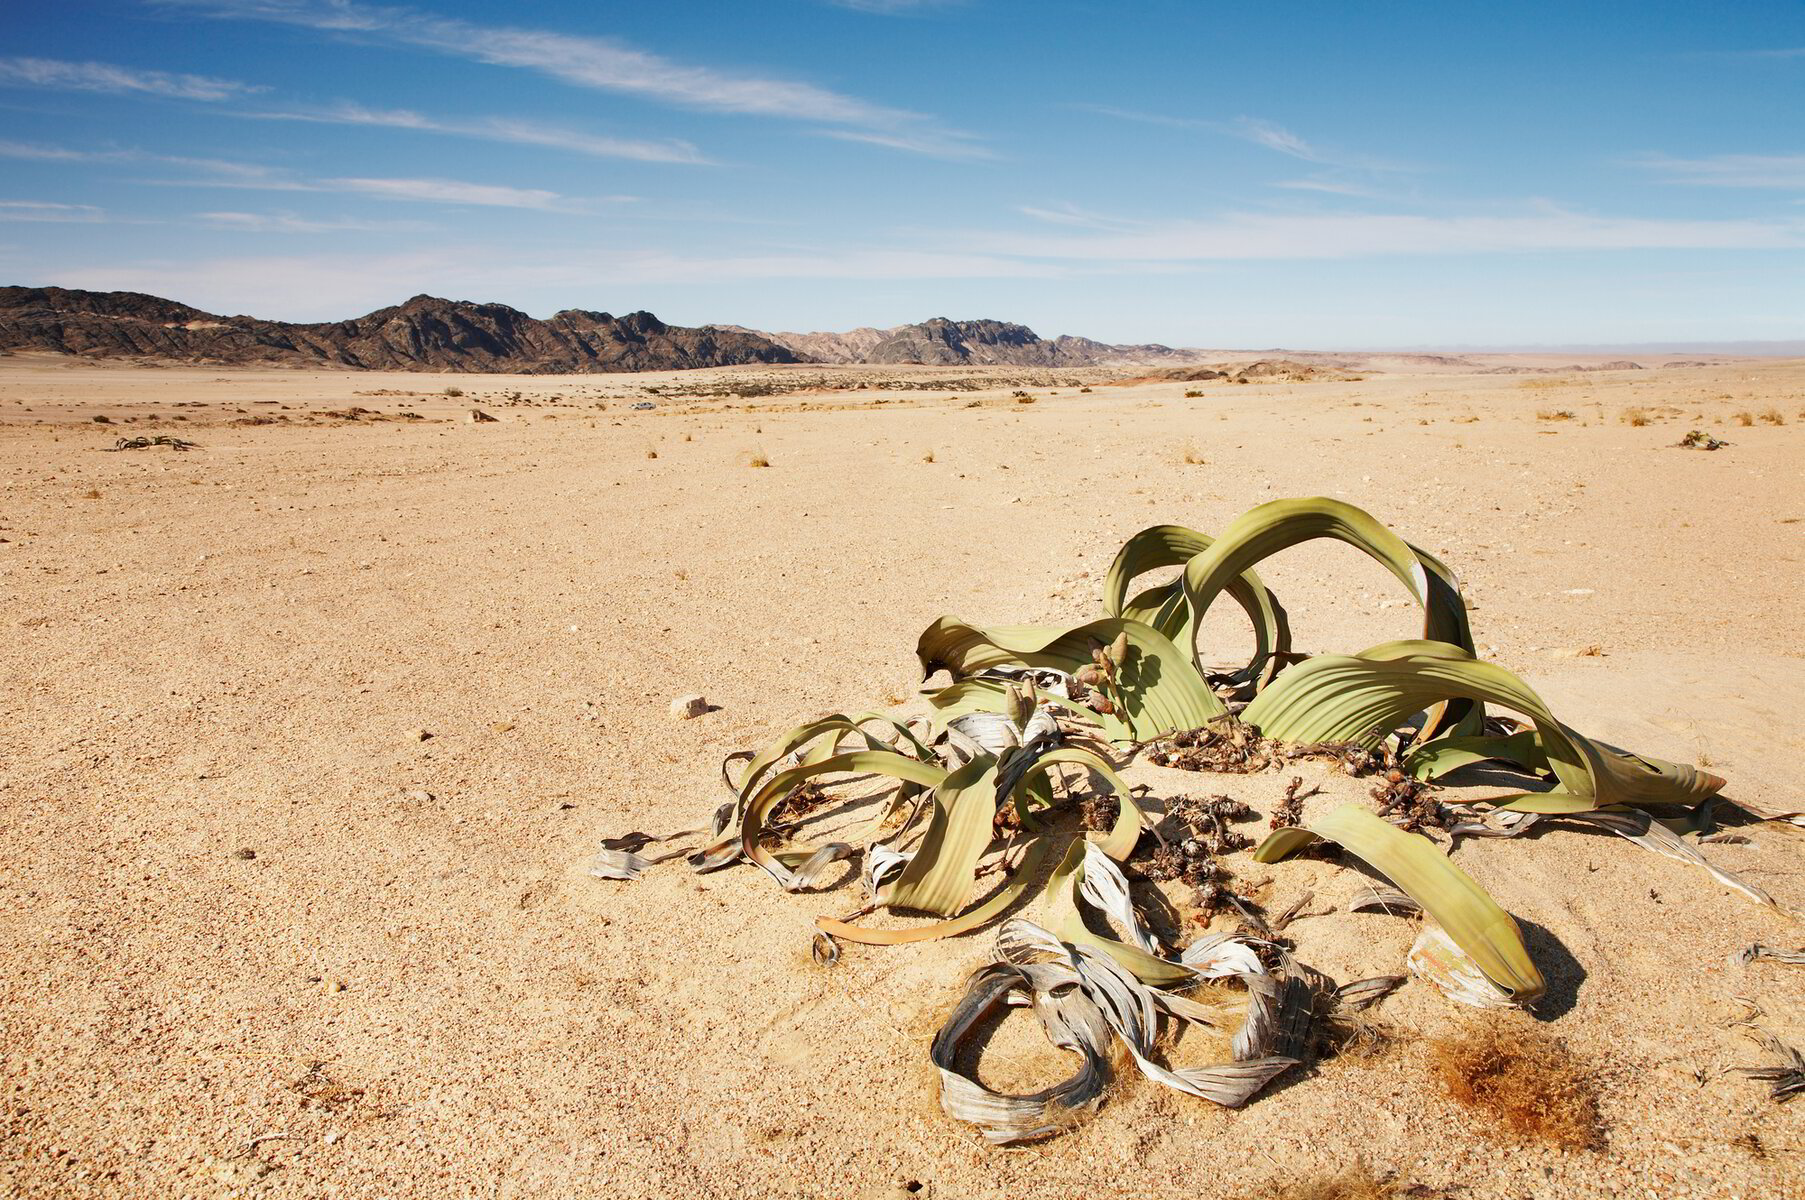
column 1523, row 1079
column 651, row 454
column 1554, row 414
column 1635, row 416
column 1745, row 418
column 758, row 459
column 928, row 457
column 1357, row 1182
column 1773, row 416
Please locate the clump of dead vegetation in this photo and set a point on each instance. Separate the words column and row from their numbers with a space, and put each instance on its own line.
column 1522, row 1080
column 1231, row 747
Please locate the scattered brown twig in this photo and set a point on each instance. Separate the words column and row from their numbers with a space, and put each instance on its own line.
column 1290, row 810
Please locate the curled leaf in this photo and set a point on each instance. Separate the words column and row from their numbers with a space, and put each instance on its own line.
column 1071, row 1022
column 1485, row 933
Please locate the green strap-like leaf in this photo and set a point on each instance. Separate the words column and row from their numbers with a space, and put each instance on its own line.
column 1034, row 860
column 1127, row 829
column 1436, row 758
column 1361, row 698
column 1165, row 607
column 1463, row 908
column 877, row 762
column 1066, row 920
column 1161, row 690
column 939, row 877
column 1277, row 525
column 836, row 729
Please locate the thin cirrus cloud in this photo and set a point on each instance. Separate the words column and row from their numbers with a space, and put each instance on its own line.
column 425, row 191
column 59, row 75
column 1330, row 187
column 39, row 210
column 1730, row 170
column 1243, row 236
column 495, row 129
column 244, row 222
column 608, row 64
column 891, row 8
column 216, row 173
column 1257, row 130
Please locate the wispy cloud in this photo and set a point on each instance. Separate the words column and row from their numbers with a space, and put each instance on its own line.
column 1071, row 215
column 1730, row 170
column 1257, row 130
column 940, row 143
column 495, row 129
column 607, row 64
column 40, row 153
column 218, row 173
column 38, row 210
column 1240, row 236
column 1147, row 118
column 450, row 191
column 1276, row 137
column 244, row 222
column 1332, row 187
column 59, row 75
column 893, row 7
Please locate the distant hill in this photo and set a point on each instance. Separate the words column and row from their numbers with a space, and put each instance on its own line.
column 940, row 342
column 424, row 334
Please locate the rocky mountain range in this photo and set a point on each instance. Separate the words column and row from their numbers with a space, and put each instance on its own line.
column 424, row 334
column 940, row 342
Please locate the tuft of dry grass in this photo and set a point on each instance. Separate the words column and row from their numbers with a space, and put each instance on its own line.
column 651, row 454
column 928, row 457
column 1553, row 414
column 1356, row 1182
column 757, row 459
column 1193, row 457
column 91, row 494
column 1745, row 418
column 1524, row 1080
column 1773, row 416
column 1635, row 416
column 1192, row 394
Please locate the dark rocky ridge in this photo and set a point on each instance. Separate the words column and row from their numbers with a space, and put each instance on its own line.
column 424, row 334
column 940, row 342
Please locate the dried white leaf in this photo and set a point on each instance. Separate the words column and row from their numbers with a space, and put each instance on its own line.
column 1104, row 886
column 1218, row 955
column 618, row 864
column 1438, row 959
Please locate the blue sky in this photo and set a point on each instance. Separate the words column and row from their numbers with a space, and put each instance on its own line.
column 1298, row 174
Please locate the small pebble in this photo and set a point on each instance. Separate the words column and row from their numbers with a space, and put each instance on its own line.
column 420, row 735
column 684, row 708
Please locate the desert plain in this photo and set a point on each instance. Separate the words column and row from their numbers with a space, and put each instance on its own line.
column 307, row 735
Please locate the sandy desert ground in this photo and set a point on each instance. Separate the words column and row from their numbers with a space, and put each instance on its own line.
column 261, row 938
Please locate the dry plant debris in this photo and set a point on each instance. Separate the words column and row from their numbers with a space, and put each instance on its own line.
column 1523, row 1080
column 1785, row 1078
column 145, row 443
column 982, row 796
column 1698, row 439
column 1358, row 1182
